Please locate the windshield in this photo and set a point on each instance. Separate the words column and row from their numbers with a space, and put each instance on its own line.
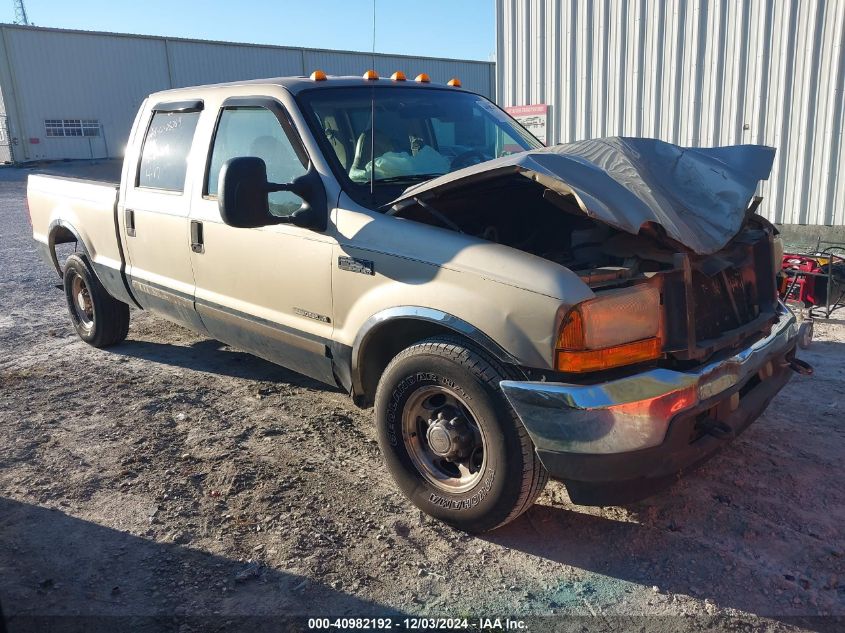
column 403, row 136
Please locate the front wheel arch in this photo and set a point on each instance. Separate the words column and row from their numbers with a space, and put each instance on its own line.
column 389, row 332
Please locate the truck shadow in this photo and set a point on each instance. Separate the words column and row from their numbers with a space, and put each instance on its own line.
column 757, row 528
column 750, row 548
column 61, row 573
column 673, row 562
column 211, row 356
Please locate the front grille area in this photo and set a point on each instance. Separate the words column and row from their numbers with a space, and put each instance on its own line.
column 729, row 290
column 723, row 302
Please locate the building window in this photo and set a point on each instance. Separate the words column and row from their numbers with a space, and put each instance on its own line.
column 54, row 127
column 72, row 127
column 90, row 127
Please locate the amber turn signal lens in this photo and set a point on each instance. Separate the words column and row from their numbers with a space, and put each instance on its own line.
column 370, row 74
column 398, row 76
column 454, row 82
column 571, row 335
column 579, row 361
column 423, row 78
column 318, row 75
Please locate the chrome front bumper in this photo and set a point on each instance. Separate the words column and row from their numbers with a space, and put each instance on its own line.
column 634, row 413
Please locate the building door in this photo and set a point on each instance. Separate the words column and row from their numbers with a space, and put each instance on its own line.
column 5, row 140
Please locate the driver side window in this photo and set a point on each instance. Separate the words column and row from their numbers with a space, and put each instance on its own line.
column 255, row 131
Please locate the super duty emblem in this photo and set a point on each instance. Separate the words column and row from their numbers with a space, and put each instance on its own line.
column 355, row 265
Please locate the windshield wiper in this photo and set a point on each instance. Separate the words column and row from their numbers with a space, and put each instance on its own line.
column 407, row 178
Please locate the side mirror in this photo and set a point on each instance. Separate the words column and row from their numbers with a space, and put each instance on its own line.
column 242, row 193
column 243, row 189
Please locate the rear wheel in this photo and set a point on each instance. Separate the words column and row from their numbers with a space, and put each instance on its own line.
column 99, row 319
column 451, row 441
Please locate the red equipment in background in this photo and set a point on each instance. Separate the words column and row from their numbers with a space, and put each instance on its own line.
column 800, row 287
column 813, row 282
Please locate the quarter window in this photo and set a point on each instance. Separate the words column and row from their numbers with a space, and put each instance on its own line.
column 256, row 131
column 164, row 158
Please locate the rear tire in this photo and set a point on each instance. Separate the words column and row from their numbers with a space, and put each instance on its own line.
column 450, row 439
column 98, row 318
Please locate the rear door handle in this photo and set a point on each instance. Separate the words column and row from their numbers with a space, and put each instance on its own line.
column 197, row 244
column 129, row 216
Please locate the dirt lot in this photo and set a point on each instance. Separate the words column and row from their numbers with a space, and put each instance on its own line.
column 173, row 476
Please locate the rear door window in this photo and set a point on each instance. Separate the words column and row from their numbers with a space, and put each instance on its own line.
column 164, row 157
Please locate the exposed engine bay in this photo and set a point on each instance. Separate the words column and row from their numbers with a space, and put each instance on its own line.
column 630, row 212
column 519, row 213
column 709, row 301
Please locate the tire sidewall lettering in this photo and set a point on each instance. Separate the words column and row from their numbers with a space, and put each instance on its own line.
column 394, row 409
column 400, row 395
column 464, row 503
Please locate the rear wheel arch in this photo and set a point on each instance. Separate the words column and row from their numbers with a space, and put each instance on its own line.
column 387, row 333
column 61, row 232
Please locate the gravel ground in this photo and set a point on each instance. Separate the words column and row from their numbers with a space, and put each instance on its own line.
column 174, row 476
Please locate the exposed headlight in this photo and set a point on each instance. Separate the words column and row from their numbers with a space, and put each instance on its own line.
column 618, row 327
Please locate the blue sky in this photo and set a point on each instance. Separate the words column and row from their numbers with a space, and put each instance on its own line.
column 440, row 28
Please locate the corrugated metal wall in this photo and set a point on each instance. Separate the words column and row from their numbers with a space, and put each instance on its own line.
column 56, row 75
column 696, row 73
column 59, row 74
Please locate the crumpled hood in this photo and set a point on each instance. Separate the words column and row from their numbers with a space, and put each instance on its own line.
column 698, row 195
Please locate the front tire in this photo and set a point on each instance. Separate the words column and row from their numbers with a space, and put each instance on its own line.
column 450, row 439
column 98, row 318
column 805, row 334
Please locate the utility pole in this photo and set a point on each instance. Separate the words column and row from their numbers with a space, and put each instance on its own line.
column 20, row 13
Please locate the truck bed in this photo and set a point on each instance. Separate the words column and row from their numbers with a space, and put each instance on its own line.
column 100, row 170
column 64, row 209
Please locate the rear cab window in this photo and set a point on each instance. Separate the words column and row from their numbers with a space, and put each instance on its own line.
column 164, row 154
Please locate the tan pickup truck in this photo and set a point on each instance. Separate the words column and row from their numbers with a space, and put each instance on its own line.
column 603, row 312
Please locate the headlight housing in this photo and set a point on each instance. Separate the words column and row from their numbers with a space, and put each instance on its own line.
column 618, row 327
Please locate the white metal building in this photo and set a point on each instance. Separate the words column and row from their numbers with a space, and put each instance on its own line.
column 695, row 73
column 74, row 94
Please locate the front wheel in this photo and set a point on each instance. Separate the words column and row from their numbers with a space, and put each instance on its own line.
column 805, row 334
column 451, row 441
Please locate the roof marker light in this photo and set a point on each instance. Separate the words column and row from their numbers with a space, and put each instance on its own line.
column 423, row 78
column 318, row 75
column 454, row 82
column 370, row 75
column 398, row 76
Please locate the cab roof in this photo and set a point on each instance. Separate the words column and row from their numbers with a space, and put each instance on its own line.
column 296, row 85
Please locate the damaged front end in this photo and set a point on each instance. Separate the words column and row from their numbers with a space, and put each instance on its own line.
column 684, row 343
column 623, row 213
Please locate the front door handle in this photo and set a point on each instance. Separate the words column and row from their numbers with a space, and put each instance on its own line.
column 197, row 244
column 129, row 216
